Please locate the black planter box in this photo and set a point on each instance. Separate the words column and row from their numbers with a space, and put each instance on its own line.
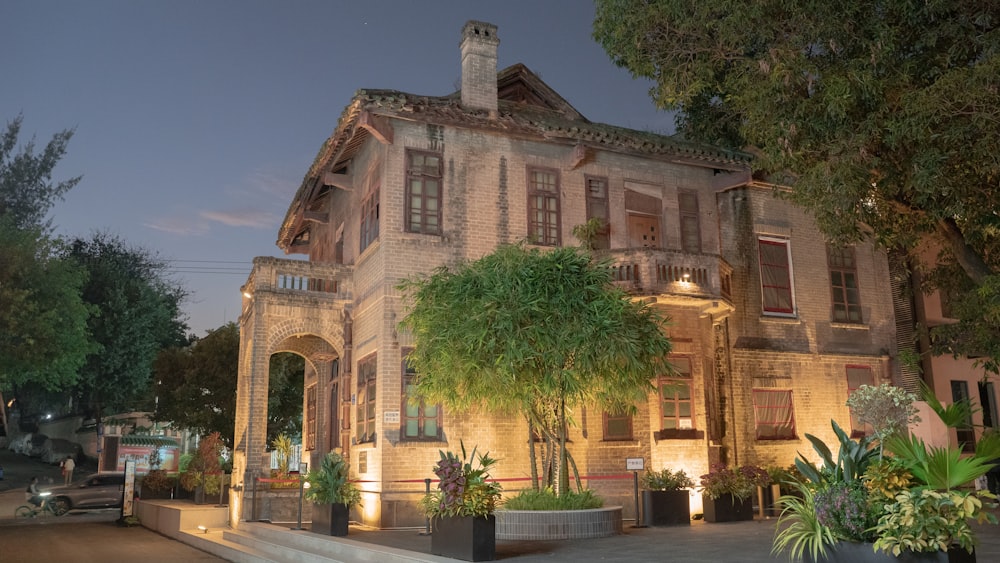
column 330, row 519
column 666, row 508
column 727, row 508
column 465, row 537
column 856, row 552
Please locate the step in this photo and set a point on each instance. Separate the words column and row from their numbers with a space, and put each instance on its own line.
column 289, row 550
column 336, row 548
column 213, row 542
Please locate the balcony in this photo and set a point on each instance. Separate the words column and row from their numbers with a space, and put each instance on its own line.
column 293, row 279
column 671, row 275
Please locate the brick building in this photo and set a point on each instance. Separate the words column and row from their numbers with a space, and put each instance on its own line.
column 771, row 326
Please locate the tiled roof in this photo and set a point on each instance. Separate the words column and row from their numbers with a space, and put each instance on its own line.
column 548, row 118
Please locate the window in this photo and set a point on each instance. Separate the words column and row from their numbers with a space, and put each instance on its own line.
column 543, row 206
column 856, row 377
column 423, row 193
column 365, row 408
column 775, row 276
column 333, row 427
column 597, row 208
column 844, row 284
column 369, row 219
column 988, row 403
column 675, row 397
column 311, row 418
column 687, row 201
column 420, row 421
column 966, row 434
column 773, row 415
column 617, row 426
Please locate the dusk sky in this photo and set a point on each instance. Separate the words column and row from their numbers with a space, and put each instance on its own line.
column 196, row 120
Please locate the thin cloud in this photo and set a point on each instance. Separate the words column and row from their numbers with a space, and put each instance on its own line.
column 242, row 218
column 184, row 226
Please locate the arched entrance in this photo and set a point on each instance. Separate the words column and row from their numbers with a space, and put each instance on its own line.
column 284, row 312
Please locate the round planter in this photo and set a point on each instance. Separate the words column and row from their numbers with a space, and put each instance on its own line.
column 559, row 524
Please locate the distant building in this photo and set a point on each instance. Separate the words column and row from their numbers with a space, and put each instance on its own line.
column 772, row 327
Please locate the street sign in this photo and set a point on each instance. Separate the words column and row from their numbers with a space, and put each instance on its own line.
column 634, row 463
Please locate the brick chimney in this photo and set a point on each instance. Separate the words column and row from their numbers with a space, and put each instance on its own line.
column 479, row 66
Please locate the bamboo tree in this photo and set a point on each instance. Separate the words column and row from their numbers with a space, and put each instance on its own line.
column 531, row 331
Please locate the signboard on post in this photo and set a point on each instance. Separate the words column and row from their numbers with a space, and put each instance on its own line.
column 634, row 463
column 129, row 492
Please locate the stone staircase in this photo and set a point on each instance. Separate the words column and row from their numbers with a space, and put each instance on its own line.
column 259, row 542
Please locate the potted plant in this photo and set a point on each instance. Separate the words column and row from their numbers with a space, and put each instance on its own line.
column 204, row 472
column 905, row 506
column 332, row 495
column 665, row 497
column 461, row 510
column 727, row 491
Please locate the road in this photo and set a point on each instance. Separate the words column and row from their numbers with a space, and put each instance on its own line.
column 91, row 536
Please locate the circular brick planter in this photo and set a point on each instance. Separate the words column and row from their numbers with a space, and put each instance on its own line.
column 558, row 524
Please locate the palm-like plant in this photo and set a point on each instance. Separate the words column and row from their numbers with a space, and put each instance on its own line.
column 329, row 484
column 853, row 458
column 799, row 529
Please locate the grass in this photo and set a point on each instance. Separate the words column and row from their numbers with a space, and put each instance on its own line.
column 547, row 500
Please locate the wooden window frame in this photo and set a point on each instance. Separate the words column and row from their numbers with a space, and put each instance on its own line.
column 408, row 374
column 602, row 237
column 684, row 378
column 423, row 174
column 310, row 425
column 966, row 435
column 760, row 421
column 770, row 283
column 609, row 418
column 859, row 430
column 842, row 263
column 369, row 219
column 539, row 232
column 688, row 217
column 366, row 407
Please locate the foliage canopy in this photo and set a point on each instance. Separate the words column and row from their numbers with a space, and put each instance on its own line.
column 531, row 331
column 883, row 117
column 196, row 386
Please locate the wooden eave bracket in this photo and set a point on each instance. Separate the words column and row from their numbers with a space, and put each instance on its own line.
column 342, row 181
column 378, row 126
column 320, row 217
column 579, row 155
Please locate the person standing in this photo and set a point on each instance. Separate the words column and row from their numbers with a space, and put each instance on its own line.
column 68, row 466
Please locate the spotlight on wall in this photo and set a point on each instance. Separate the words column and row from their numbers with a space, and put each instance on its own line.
column 686, row 278
column 247, row 294
column 203, row 529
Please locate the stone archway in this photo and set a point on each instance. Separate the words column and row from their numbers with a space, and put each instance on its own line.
column 313, row 325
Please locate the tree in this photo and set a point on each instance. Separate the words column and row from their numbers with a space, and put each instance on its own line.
column 138, row 313
column 43, row 321
column 43, row 337
column 883, row 117
column 27, row 191
column 521, row 330
column 196, row 386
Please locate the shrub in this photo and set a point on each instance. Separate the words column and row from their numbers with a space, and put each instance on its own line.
column 157, row 480
column 741, row 482
column 546, row 499
column 463, row 489
column 846, row 510
column 329, row 484
column 666, row 480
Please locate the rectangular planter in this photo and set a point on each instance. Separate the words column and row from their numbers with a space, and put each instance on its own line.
column 666, row 508
column 856, row 552
column 330, row 519
column 465, row 537
column 727, row 508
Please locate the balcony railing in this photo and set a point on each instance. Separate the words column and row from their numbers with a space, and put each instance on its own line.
column 299, row 276
column 653, row 271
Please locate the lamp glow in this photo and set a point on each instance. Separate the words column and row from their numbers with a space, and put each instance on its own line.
column 203, row 529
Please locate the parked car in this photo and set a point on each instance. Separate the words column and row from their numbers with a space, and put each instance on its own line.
column 99, row 490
